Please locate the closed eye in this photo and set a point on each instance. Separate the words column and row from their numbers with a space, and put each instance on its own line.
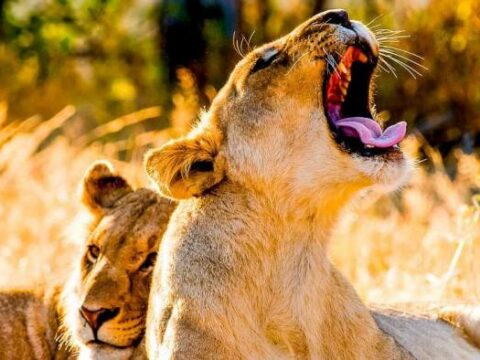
column 265, row 60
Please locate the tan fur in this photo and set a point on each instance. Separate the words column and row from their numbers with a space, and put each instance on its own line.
column 30, row 324
column 243, row 271
column 127, row 226
column 466, row 318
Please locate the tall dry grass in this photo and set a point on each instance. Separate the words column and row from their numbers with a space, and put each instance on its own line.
column 422, row 243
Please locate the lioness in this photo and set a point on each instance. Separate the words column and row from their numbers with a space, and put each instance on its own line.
column 243, row 271
column 103, row 304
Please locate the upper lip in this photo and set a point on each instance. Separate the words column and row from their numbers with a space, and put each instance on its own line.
column 365, row 39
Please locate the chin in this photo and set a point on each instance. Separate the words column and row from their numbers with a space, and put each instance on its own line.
column 104, row 352
column 387, row 172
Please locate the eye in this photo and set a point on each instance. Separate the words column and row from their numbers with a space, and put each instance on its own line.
column 149, row 262
column 266, row 59
column 93, row 252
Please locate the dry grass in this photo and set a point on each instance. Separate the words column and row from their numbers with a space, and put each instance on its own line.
column 422, row 243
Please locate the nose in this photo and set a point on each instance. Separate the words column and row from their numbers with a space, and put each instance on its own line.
column 95, row 318
column 336, row 17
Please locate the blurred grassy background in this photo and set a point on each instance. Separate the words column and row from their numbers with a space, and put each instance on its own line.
column 88, row 79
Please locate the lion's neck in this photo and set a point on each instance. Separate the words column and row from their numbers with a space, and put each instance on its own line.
column 325, row 317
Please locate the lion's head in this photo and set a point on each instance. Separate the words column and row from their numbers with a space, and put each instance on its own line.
column 294, row 121
column 105, row 300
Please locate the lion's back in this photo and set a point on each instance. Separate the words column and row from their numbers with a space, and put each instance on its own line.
column 28, row 326
column 426, row 337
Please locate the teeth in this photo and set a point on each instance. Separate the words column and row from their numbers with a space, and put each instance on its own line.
column 342, row 68
column 362, row 57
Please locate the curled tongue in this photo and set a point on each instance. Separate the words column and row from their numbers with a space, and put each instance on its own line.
column 370, row 133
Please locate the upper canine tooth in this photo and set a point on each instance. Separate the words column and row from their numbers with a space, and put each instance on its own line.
column 362, row 57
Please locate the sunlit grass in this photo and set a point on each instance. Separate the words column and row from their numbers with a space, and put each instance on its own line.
column 421, row 244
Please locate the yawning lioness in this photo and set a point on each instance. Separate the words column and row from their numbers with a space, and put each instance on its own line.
column 243, row 271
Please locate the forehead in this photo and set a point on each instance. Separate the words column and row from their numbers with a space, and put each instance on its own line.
column 133, row 225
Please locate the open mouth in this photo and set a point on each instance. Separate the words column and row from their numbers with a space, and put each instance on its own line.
column 347, row 105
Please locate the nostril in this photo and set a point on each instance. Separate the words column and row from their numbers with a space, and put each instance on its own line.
column 107, row 314
column 337, row 17
column 90, row 316
column 95, row 318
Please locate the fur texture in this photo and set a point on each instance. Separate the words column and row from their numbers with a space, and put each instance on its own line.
column 30, row 324
column 126, row 227
column 243, row 271
column 114, row 273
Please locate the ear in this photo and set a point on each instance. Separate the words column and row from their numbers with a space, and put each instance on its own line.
column 101, row 187
column 186, row 167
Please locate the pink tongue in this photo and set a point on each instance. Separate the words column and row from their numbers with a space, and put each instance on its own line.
column 370, row 132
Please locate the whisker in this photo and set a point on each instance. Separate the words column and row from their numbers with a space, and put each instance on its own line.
column 296, row 61
column 334, row 63
column 250, row 39
column 239, row 45
column 244, row 41
column 386, row 38
column 388, row 31
column 394, row 48
column 235, row 45
column 384, row 42
column 233, row 42
column 375, row 19
column 390, row 67
column 394, row 54
column 412, row 71
column 390, row 52
column 331, row 61
column 383, row 68
column 372, row 27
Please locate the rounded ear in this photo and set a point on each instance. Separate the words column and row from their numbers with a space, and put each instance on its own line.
column 101, row 187
column 186, row 167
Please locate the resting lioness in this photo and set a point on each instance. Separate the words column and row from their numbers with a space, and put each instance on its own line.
column 103, row 305
column 243, row 271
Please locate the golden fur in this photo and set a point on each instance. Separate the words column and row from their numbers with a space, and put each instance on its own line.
column 115, row 268
column 30, row 322
column 243, row 271
column 127, row 226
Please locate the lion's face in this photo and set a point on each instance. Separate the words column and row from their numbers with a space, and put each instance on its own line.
column 294, row 120
column 107, row 296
